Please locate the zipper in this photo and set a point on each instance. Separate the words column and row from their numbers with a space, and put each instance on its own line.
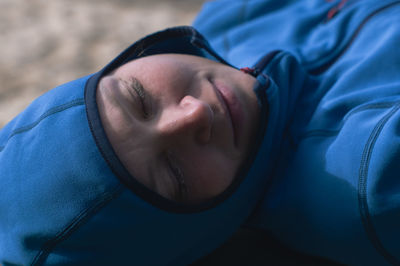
column 326, row 66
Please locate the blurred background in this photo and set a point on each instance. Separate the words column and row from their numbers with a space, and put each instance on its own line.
column 46, row 43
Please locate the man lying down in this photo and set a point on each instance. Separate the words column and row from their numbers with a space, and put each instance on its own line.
column 160, row 157
column 136, row 164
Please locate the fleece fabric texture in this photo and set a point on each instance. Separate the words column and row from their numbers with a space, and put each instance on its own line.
column 335, row 191
column 66, row 199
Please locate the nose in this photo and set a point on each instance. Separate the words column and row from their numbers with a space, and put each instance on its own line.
column 191, row 118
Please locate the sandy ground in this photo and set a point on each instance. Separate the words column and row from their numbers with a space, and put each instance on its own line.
column 46, row 43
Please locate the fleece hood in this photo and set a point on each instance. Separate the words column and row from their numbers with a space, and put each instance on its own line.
column 66, row 199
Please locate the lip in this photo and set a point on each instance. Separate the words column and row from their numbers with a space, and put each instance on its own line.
column 233, row 106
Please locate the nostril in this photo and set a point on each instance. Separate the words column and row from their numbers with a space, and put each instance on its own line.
column 198, row 117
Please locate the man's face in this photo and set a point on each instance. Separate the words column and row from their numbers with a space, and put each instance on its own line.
column 182, row 125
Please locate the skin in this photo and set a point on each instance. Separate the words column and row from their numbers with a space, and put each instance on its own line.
column 181, row 139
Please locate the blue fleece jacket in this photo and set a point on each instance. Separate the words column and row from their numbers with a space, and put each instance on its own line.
column 325, row 169
column 335, row 191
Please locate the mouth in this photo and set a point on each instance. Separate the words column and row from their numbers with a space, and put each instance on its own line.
column 232, row 106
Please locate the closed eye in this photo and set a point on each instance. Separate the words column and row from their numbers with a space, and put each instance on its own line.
column 177, row 174
column 141, row 96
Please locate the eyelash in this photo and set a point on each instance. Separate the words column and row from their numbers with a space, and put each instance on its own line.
column 177, row 173
column 138, row 88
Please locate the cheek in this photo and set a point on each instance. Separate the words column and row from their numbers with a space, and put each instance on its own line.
column 209, row 174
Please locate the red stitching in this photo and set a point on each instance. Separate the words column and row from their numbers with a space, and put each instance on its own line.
column 247, row 70
column 334, row 10
column 342, row 4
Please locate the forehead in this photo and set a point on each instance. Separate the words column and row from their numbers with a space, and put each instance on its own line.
column 161, row 61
